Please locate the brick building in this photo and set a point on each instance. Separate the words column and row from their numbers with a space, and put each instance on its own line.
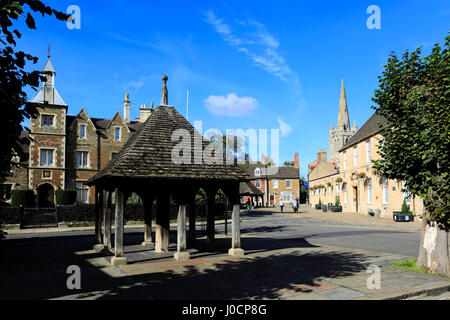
column 277, row 183
column 64, row 151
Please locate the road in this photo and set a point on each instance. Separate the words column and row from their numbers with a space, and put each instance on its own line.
column 377, row 238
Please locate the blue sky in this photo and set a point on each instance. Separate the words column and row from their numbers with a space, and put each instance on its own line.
column 247, row 64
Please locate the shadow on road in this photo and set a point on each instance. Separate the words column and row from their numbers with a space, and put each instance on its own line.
column 35, row 268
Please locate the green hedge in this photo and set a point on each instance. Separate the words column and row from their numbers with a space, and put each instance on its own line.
column 66, row 197
column 23, row 197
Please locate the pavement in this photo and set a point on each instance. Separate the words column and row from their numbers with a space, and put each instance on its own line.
column 307, row 256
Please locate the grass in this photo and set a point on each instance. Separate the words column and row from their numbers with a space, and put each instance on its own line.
column 409, row 265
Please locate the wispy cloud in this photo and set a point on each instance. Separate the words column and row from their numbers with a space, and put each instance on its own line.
column 135, row 85
column 258, row 44
column 231, row 105
column 285, row 129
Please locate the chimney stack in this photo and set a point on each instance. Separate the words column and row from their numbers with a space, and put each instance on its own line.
column 296, row 161
column 145, row 113
column 126, row 108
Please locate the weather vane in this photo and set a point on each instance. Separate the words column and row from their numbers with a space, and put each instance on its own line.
column 49, row 50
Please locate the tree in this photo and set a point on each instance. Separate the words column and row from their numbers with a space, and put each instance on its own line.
column 13, row 77
column 289, row 164
column 414, row 97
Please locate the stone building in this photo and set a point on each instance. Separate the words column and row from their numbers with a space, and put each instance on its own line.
column 357, row 186
column 277, row 183
column 64, row 151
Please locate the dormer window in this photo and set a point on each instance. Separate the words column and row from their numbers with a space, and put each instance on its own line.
column 257, row 172
column 47, row 120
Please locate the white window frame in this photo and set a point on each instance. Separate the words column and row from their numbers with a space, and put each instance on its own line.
column 85, row 132
column 288, row 183
column 80, row 192
column 355, row 156
column 338, row 188
column 46, row 165
column 406, row 195
column 275, row 184
column 385, row 183
column 368, row 157
column 84, row 158
column 115, row 134
column 258, row 183
column 330, row 189
column 324, row 191
column 369, row 191
column 48, row 115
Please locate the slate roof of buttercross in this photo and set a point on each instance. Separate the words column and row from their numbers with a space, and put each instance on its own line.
column 148, row 153
column 248, row 189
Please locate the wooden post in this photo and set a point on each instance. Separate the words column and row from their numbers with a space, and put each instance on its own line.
column 148, row 208
column 236, row 226
column 98, row 246
column 192, row 232
column 107, row 220
column 210, row 217
column 225, row 202
column 119, row 257
column 181, row 253
column 162, row 223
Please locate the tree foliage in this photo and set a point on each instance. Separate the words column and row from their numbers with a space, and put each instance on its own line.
column 13, row 78
column 414, row 98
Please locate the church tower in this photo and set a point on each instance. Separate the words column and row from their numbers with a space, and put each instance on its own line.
column 340, row 135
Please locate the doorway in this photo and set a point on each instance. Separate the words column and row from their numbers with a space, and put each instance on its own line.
column 355, row 199
column 46, row 195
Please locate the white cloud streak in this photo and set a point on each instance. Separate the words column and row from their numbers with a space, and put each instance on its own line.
column 258, row 44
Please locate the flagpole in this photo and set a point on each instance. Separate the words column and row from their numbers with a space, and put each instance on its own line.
column 187, row 106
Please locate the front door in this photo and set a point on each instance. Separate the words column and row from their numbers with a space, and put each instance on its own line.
column 355, row 198
column 272, row 199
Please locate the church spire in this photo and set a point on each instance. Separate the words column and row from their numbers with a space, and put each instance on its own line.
column 343, row 117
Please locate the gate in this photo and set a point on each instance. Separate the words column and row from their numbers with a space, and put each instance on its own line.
column 38, row 218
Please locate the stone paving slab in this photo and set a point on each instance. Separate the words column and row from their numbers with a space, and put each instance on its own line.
column 275, row 275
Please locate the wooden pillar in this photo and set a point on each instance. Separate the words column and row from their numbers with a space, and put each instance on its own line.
column 236, row 225
column 98, row 246
column 162, row 223
column 192, row 231
column 148, row 208
column 119, row 257
column 107, row 220
column 210, row 216
column 181, row 253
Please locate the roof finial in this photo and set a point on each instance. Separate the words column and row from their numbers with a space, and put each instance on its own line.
column 164, row 93
column 153, row 104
